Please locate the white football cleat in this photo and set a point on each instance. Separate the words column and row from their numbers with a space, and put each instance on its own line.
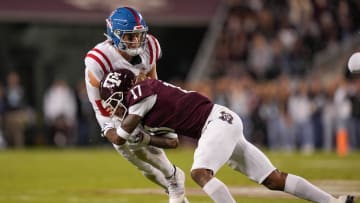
column 176, row 187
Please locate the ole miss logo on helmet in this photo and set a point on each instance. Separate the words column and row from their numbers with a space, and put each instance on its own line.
column 139, row 27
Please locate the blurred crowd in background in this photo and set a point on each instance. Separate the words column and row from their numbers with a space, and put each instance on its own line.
column 262, row 68
column 268, row 39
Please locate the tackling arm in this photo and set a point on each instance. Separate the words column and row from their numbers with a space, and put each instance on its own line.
column 164, row 142
column 131, row 121
column 121, row 134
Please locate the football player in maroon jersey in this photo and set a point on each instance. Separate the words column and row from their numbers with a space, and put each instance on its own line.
column 163, row 108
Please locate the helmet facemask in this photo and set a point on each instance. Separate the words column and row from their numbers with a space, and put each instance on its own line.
column 130, row 39
column 114, row 102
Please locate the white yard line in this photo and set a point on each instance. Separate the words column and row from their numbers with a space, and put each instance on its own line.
column 335, row 187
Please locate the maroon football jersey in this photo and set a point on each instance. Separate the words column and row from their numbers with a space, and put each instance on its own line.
column 183, row 111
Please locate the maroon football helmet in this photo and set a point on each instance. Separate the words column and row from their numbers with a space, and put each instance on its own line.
column 114, row 87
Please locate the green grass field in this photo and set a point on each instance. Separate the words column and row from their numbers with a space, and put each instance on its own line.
column 100, row 175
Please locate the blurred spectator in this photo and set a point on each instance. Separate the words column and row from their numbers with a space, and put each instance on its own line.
column 259, row 132
column 329, row 118
column 2, row 112
column 300, row 111
column 300, row 12
column 354, row 129
column 342, row 106
column 278, row 126
column 60, row 113
column 318, row 99
column 86, row 123
column 260, row 56
column 16, row 118
column 221, row 91
column 344, row 19
column 240, row 96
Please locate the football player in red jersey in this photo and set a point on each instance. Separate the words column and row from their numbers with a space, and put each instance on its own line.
column 160, row 106
column 129, row 46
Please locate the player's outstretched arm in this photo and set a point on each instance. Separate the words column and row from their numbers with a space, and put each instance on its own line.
column 131, row 121
column 164, row 142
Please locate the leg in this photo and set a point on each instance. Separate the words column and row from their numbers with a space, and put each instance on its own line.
column 253, row 163
column 214, row 150
column 157, row 158
column 301, row 188
column 157, row 168
column 149, row 172
column 212, row 186
column 175, row 177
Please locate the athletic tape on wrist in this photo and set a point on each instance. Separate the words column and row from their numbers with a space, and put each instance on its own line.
column 122, row 133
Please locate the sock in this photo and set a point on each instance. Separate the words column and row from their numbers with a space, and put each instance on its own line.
column 303, row 189
column 218, row 191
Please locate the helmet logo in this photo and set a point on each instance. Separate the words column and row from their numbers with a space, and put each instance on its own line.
column 112, row 80
column 139, row 27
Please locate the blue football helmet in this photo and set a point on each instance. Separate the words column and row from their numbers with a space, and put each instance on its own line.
column 127, row 30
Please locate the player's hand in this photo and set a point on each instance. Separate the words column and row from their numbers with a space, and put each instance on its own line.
column 138, row 140
column 116, row 120
column 107, row 126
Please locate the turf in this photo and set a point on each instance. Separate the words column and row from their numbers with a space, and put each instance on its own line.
column 95, row 175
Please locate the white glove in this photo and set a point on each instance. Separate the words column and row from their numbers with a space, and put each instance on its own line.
column 107, row 126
